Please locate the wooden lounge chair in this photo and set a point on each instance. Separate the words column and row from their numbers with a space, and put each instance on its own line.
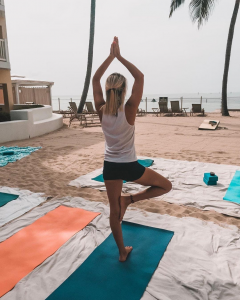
column 175, row 108
column 140, row 112
column 89, row 108
column 86, row 118
column 74, row 113
column 163, row 108
column 197, row 109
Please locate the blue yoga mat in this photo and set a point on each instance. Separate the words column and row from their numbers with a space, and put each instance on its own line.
column 233, row 192
column 103, row 277
column 5, row 198
column 14, row 154
column 144, row 162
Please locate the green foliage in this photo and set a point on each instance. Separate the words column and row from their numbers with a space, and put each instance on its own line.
column 200, row 10
column 4, row 117
column 174, row 5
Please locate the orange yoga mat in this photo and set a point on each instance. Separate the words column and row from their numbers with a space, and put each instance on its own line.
column 29, row 247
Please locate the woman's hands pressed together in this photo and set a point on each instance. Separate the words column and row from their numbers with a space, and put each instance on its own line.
column 115, row 50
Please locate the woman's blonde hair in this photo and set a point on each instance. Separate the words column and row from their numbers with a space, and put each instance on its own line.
column 116, row 87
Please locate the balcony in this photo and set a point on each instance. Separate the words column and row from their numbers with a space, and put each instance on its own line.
column 4, row 58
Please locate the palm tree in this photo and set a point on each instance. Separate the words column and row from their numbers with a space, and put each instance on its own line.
column 200, row 11
column 90, row 58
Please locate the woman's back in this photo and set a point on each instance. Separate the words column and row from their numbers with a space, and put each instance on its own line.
column 119, row 136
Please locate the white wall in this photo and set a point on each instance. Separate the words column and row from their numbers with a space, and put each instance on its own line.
column 28, row 123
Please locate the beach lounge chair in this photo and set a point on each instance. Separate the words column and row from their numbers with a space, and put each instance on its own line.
column 175, row 108
column 197, row 109
column 140, row 112
column 163, row 108
column 89, row 108
column 74, row 113
column 86, row 118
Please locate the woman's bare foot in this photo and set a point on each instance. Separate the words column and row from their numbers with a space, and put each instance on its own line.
column 124, row 202
column 123, row 257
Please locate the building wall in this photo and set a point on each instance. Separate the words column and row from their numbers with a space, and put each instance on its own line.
column 5, row 75
column 5, row 78
column 1, row 96
column 3, row 24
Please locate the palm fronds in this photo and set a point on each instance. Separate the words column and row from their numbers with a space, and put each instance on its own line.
column 200, row 10
column 174, row 5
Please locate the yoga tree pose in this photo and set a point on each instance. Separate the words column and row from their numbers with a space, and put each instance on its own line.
column 120, row 161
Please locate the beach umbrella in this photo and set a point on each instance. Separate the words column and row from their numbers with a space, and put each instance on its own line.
column 200, row 11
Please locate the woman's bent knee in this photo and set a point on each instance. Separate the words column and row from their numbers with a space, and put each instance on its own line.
column 168, row 186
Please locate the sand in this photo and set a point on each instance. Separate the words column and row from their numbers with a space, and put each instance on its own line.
column 71, row 152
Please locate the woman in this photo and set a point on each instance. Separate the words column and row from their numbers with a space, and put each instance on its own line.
column 120, row 161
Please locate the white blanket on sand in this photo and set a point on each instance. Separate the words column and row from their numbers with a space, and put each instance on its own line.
column 201, row 261
column 13, row 209
column 188, row 186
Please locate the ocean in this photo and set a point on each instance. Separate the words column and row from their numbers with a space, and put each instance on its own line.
column 210, row 101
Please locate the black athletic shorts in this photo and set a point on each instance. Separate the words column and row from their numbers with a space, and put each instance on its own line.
column 130, row 171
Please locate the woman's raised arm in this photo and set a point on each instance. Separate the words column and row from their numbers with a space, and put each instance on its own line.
column 137, row 89
column 97, row 89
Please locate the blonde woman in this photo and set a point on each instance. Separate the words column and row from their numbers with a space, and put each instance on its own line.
column 120, row 161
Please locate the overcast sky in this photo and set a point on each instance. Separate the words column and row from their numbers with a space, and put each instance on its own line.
column 48, row 40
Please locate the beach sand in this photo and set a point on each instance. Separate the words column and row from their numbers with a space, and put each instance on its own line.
column 71, row 152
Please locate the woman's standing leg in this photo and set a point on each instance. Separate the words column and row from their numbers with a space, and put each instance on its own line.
column 159, row 185
column 114, row 189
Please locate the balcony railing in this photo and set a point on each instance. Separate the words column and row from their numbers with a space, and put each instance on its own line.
column 3, row 50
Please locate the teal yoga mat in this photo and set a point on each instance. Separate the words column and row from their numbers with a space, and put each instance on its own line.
column 5, row 198
column 233, row 192
column 144, row 162
column 103, row 277
column 14, row 154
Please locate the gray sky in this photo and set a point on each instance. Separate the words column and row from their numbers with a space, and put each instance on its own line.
column 49, row 40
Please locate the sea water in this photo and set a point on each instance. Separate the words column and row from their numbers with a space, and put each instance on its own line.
column 210, row 101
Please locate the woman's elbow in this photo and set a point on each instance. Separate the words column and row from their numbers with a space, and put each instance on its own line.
column 141, row 76
column 95, row 79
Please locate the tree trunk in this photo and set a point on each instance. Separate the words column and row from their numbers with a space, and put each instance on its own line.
column 227, row 59
column 90, row 58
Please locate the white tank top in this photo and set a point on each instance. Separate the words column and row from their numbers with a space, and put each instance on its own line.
column 119, row 136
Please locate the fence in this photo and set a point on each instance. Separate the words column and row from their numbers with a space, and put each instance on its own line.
column 210, row 104
column 38, row 95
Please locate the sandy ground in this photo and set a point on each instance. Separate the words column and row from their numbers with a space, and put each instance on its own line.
column 71, row 152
